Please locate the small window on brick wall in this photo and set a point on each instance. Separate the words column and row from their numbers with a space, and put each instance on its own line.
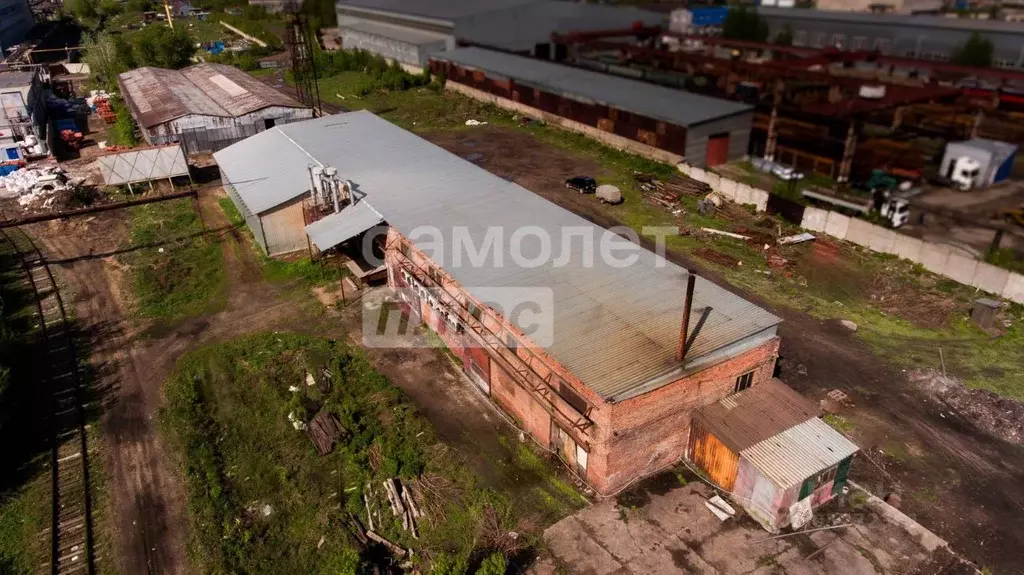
column 510, row 342
column 744, row 381
column 474, row 310
column 406, row 250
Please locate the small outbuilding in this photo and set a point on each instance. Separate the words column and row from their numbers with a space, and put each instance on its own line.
column 206, row 107
column 767, row 446
column 995, row 159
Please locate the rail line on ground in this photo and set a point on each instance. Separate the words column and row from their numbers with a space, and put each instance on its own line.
column 70, row 532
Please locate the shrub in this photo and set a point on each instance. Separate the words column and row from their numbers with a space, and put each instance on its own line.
column 494, row 564
column 446, row 564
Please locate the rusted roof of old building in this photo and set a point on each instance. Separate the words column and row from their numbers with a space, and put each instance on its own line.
column 778, row 431
column 755, row 414
column 158, row 95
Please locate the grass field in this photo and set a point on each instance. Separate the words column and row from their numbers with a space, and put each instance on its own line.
column 847, row 288
column 174, row 269
column 262, row 500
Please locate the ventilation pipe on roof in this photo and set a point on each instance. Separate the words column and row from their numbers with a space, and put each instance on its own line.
column 687, row 306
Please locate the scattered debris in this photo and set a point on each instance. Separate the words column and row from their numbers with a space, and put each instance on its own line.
column 394, row 549
column 297, row 423
column 321, row 542
column 267, row 510
column 292, row 388
column 796, row 239
column 310, row 380
column 718, row 257
column 720, row 508
column 986, row 410
column 776, row 261
column 835, row 401
column 726, row 234
column 323, row 431
column 848, row 324
column 475, row 123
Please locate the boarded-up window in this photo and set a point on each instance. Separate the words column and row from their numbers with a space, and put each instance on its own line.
column 572, row 398
column 434, row 275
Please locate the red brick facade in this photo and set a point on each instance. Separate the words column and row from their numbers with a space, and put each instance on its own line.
column 608, row 444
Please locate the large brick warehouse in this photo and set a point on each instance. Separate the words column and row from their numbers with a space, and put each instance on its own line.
column 606, row 389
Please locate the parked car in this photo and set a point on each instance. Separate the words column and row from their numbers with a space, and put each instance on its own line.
column 582, row 184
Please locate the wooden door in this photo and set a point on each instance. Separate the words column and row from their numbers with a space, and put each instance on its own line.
column 718, row 150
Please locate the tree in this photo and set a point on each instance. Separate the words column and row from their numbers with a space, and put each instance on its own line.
column 93, row 13
column 107, row 55
column 976, row 51
column 163, row 47
column 785, row 36
column 494, row 564
column 741, row 23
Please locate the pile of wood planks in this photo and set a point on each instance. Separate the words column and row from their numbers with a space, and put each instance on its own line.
column 666, row 194
column 323, row 431
column 401, row 502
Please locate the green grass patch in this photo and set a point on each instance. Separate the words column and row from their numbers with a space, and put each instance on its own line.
column 303, row 271
column 175, row 270
column 228, row 418
column 839, row 423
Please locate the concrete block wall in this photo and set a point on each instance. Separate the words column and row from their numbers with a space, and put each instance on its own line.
column 936, row 258
column 729, row 189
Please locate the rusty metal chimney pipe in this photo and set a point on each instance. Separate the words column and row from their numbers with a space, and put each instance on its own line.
column 687, row 306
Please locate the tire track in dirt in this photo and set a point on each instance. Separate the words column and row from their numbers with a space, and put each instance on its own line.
column 147, row 514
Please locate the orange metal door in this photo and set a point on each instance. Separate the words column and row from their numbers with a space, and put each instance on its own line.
column 718, row 150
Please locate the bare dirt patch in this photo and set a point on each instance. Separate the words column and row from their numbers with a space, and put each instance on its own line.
column 1002, row 417
column 146, row 495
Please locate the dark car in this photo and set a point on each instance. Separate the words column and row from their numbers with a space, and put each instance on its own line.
column 582, row 184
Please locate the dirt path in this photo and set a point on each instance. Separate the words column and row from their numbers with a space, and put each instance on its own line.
column 147, row 498
column 953, row 478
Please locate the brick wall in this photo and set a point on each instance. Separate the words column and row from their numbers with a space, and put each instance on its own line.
column 624, row 440
column 652, row 430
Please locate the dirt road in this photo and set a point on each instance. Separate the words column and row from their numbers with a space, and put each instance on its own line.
column 954, row 478
column 147, row 498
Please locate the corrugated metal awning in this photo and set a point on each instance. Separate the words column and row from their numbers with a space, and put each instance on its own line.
column 344, row 225
column 801, row 451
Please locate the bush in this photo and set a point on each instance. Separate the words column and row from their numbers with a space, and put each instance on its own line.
column 494, row 564
column 446, row 564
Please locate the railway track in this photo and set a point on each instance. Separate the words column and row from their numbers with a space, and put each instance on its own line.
column 70, row 533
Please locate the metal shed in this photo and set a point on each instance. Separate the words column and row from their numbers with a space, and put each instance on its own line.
column 701, row 129
column 206, row 107
column 996, row 159
column 768, row 447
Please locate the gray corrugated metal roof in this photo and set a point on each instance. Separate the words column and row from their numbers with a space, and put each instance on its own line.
column 436, row 9
column 787, row 459
column 658, row 102
column 346, row 224
column 999, row 150
column 16, row 79
column 522, row 27
column 614, row 327
column 905, row 20
column 397, row 33
column 158, row 95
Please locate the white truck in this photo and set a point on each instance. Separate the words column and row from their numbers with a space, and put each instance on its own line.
column 895, row 209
